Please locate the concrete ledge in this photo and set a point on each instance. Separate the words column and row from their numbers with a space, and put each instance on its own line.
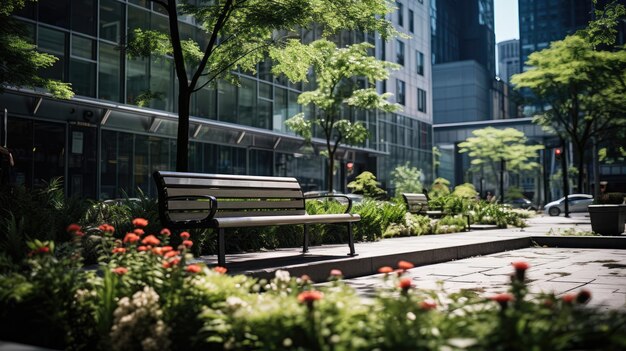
column 589, row 242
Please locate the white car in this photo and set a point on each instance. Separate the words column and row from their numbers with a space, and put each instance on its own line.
column 576, row 202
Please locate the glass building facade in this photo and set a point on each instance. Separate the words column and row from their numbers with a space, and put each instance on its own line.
column 104, row 146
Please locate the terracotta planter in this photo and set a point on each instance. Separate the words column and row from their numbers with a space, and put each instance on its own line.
column 607, row 219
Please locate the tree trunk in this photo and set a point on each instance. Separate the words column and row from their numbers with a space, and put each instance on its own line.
column 182, row 141
column 331, row 168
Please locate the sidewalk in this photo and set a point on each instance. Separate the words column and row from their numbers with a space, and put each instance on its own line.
column 422, row 250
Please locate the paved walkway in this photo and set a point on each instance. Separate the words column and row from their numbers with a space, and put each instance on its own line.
column 602, row 271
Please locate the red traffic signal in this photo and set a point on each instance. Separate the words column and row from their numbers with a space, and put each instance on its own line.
column 558, row 152
column 350, row 166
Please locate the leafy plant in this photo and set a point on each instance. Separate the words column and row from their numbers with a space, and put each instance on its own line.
column 407, row 179
column 440, row 187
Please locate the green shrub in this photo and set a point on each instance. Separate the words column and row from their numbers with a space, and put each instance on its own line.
column 366, row 184
column 440, row 187
column 406, row 179
column 612, row 198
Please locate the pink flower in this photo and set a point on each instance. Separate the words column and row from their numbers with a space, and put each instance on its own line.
column 188, row 243
column 142, row 248
column 520, row 269
column 171, row 254
column 503, row 299
column 184, row 235
column 120, row 270
column 139, row 231
column 119, row 250
column 151, row 240
column 140, row 222
column 193, row 268
column 568, row 298
column 165, row 232
column 106, row 228
column 79, row 233
column 220, row 270
column 336, row 273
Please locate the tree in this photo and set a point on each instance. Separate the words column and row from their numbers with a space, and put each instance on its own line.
column 407, row 179
column 583, row 79
column 239, row 35
column 490, row 146
column 366, row 184
column 335, row 72
column 20, row 62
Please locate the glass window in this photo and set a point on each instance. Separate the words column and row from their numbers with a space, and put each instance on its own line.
column 266, row 91
column 83, row 47
column 53, row 42
column 137, row 79
column 83, row 77
column 247, row 101
column 411, row 21
column 142, row 3
column 421, row 100
column 400, row 92
column 162, row 84
column 261, row 162
column 420, row 62
column 264, row 118
column 280, row 109
column 111, row 20
column 137, row 18
column 109, row 73
column 399, row 52
column 293, row 106
column 400, row 14
column 205, row 103
column 83, row 16
column 55, row 12
column 227, row 96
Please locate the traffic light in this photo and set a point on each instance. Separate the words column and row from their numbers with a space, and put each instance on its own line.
column 557, row 153
column 350, row 167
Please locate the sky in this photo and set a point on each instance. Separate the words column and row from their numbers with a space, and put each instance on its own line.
column 506, row 20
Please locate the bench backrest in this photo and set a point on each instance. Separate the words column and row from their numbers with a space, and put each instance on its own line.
column 180, row 195
column 415, row 202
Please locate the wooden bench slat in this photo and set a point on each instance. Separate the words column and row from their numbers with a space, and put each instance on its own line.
column 225, row 214
column 164, row 174
column 285, row 220
column 204, row 205
column 236, row 193
column 203, row 183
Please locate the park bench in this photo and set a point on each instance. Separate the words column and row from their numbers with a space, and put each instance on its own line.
column 418, row 204
column 221, row 201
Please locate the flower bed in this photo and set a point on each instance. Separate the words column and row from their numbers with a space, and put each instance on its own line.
column 146, row 294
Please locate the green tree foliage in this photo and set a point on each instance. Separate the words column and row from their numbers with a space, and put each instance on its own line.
column 366, row 184
column 489, row 146
column 407, row 179
column 440, row 187
column 583, row 79
column 466, row 191
column 20, row 63
column 239, row 34
column 335, row 72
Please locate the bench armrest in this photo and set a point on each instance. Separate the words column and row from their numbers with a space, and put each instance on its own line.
column 195, row 197
column 333, row 195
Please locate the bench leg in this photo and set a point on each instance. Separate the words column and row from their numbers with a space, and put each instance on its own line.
column 305, row 244
column 221, row 248
column 351, row 240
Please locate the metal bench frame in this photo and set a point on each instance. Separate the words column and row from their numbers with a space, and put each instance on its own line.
column 220, row 201
column 418, row 204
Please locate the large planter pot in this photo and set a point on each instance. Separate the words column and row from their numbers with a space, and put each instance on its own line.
column 607, row 219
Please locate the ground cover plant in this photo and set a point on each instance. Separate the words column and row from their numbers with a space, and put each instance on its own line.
column 148, row 294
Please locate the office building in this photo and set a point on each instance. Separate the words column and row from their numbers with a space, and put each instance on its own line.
column 104, row 145
column 508, row 59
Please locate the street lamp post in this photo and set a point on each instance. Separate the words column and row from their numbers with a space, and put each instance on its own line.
column 502, row 165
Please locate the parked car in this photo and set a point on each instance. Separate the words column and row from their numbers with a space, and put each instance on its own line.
column 522, row 203
column 577, row 203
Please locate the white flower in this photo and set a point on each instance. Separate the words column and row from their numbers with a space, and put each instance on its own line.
column 282, row 275
column 410, row 316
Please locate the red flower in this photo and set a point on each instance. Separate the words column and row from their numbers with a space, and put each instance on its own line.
column 139, row 231
column 220, row 269
column 120, row 270
column 336, row 273
column 73, row 228
column 131, row 238
column 583, row 296
column 151, row 240
column 79, row 233
column 106, row 228
column 184, row 235
column 43, row 249
column 405, row 283
column 305, row 278
column 404, row 265
column 521, row 265
column 385, row 269
column 309, row 296
column 140, row 222
column 503, row 299
column 142, row 248
column 193, row 268
column 568, row 298
column 188, row 243
column 165, row 232
column 165, row 249
column 171, row 263
column 119, row 250
column 427, row 305
column 170, row 254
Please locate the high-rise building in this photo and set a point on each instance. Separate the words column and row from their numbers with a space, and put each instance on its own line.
column 508, row 59
column 104, row 144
